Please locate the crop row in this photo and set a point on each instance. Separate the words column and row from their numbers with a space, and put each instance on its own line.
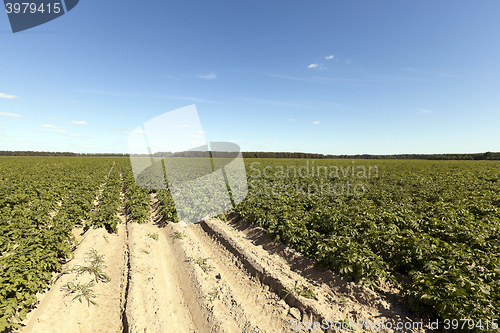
column 437, row 224
column 137, row 200
column 40, row 203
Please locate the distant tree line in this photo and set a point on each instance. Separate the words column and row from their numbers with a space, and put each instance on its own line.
column 475, row 156
column 57, row 154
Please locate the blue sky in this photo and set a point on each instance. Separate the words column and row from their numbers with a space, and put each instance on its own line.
column 331, row 77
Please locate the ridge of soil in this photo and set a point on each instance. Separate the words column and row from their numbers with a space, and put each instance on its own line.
column 213, row 276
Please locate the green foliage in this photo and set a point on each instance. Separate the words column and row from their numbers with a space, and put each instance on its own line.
column 435, row 223
column 81, row 290
column 41, row 201
column 300, row 290
column 137, row 200
column 106, row 214
column 167, row 206
column 95, row 267
column 178, row 235
column 214, row 294
column 153, row 236
column 202, row 262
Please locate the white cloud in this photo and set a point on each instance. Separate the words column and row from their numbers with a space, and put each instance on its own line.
column 201, row 132
column 7, row 96
column 212, row 76
column 313, row 66
column 291, row 119
column 78, row 122
column 348, row 61
column 424, row 111
column 329, row 57
column 50, row 126
column 8, row 114
column 75, row 101
column 316, row 122
column 179, row 126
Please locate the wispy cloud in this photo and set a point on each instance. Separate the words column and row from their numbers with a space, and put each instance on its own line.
column 50, row 126
column 78, row 122
column 424, row 111
column 180, row 126
column 348, row 61
column 329, row 57
column 78, row 102
column 202, row 132
column 316, row 122
column 2, row 95
column 8, row 114
column 212, row 76
column 313, row 66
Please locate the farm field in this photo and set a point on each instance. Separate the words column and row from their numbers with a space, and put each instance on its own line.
column 431, row 227
column 400, row 240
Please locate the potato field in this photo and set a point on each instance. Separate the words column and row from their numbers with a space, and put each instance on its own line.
column 430, row 229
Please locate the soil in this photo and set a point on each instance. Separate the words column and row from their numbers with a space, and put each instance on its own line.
column 213, row 276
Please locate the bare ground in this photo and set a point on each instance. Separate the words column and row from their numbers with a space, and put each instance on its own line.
column 213, row 276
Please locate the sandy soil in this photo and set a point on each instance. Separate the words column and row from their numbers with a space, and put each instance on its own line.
column 213, row 276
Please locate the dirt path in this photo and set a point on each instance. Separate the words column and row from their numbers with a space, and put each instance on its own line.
column 213, row 276
column 155, row 300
